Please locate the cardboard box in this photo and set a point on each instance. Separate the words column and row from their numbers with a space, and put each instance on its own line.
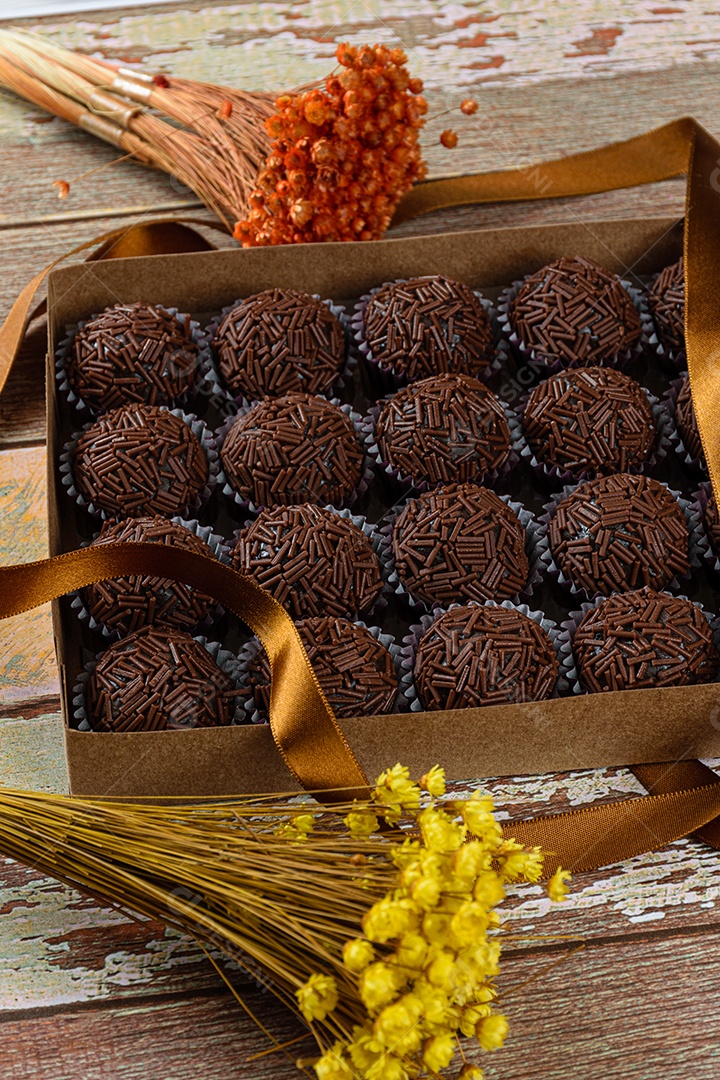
column 585, row 731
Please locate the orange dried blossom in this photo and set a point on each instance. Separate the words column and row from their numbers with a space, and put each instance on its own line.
column 342, row 156
column 449, row 139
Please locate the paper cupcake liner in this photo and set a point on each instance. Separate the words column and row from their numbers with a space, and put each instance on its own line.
column 400, row 483
column 370, row 532
column 219, row 549
column 203, row 386
column 255, row 714
column 707, row 553
column 575, row 617
column 535, row 548
column 671, row 360
column 227, row 662
column 555, row 574
column 544, row 365
column 386, row 377
column 696, row 466
column 250, row 507
column 567, row 676
column 554, row 475
column 199, row 429
column 339, row 383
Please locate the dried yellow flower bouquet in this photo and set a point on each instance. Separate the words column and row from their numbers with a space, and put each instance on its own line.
column 374, row 921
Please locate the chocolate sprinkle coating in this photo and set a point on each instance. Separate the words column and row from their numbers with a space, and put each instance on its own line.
column 666, row 300
column 712, row 523
column 355, row 670
column 156, row 679
column 472, row 656
column 644, row 639
column 448, row 428
column 574, row 312
column 126, row 604
column 133, row 353
column 293, row 449
column 687, row 421
column 460, row 543
column 590, row 422
column 429, row 325
column 618, row 533
column 279, row 341
column 139, row 460
column 313, row 561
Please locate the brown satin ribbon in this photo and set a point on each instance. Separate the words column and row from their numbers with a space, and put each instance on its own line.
column 685, row 797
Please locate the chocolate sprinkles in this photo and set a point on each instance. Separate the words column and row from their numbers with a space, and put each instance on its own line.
column 157, row 679
column 133, row 353
column 666, row 300
column 619, row 533
column 641, row 639
column 576, row 313
column 313, row 561
column 428, row 325
column 293, row 449
column 280, row 341
column 355, row 670
column 473, row 655
column 590, row 421
column 712, row 523
column 139, row 460
column 460, row 543
column 443, row 429
column 126, row 604
column 687, row 422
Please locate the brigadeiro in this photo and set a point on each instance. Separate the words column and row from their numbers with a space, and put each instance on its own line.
column 444, row 429
column 476, row 655
column 355, row 666
column 314, row 560
column 280, row 341
column 292, row 449
column 705, row 505
column 641, row 639
column 666, row 300
column 617, row 533
column 139, row 460
column 572, row 313
column 681, row 403
column 462, row 542
column 425, row 326
column 591, row 421
column 158, row 678
column 131, row 353
column 123, row 605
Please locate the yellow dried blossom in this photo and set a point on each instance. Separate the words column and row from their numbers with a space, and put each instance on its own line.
column 379, row 984
column 439, row 832
column 364, row 1050
column 332, row 1066
column 518, row 863
column 436, row 927
column 471, row 1072
column 477, row 813
column 491, row 1031
column 441, row 969
column 361, row 822
column 469, row 922
column 357, row 955
column 556, row 888
column 438, row 1052
column 488, row 889
column 434, row 781
column 396, row 792
column 317, row 997
column 387, row 1068
column 471, row 1017
column 298, row 828
column 470, row 860
column 426, row 892
column 411, row 951
column 388, row 918
column 397, row 1029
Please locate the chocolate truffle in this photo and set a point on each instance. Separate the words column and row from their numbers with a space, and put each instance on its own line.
column 618, row 533
column 574, row 313
column 443, row 429
column 156, row 679
column 278, row 341
column 642, row 639
column 686, row 422
column 426, row 326
column 666, row 300
column 590, row 422
column 126, row 604
column 355, row 670
column 293, row 449
column 460, row 543
column 476, row 655
column 133, row 353
column 712, row 524
column 313, row 561
column 139, row 460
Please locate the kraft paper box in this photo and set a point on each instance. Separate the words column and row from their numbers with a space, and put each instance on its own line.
column 584, row 731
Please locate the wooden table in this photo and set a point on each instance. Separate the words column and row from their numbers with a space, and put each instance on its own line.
column 90, row 995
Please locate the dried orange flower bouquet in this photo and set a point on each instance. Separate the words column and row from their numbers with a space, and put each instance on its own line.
column 375, row 922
